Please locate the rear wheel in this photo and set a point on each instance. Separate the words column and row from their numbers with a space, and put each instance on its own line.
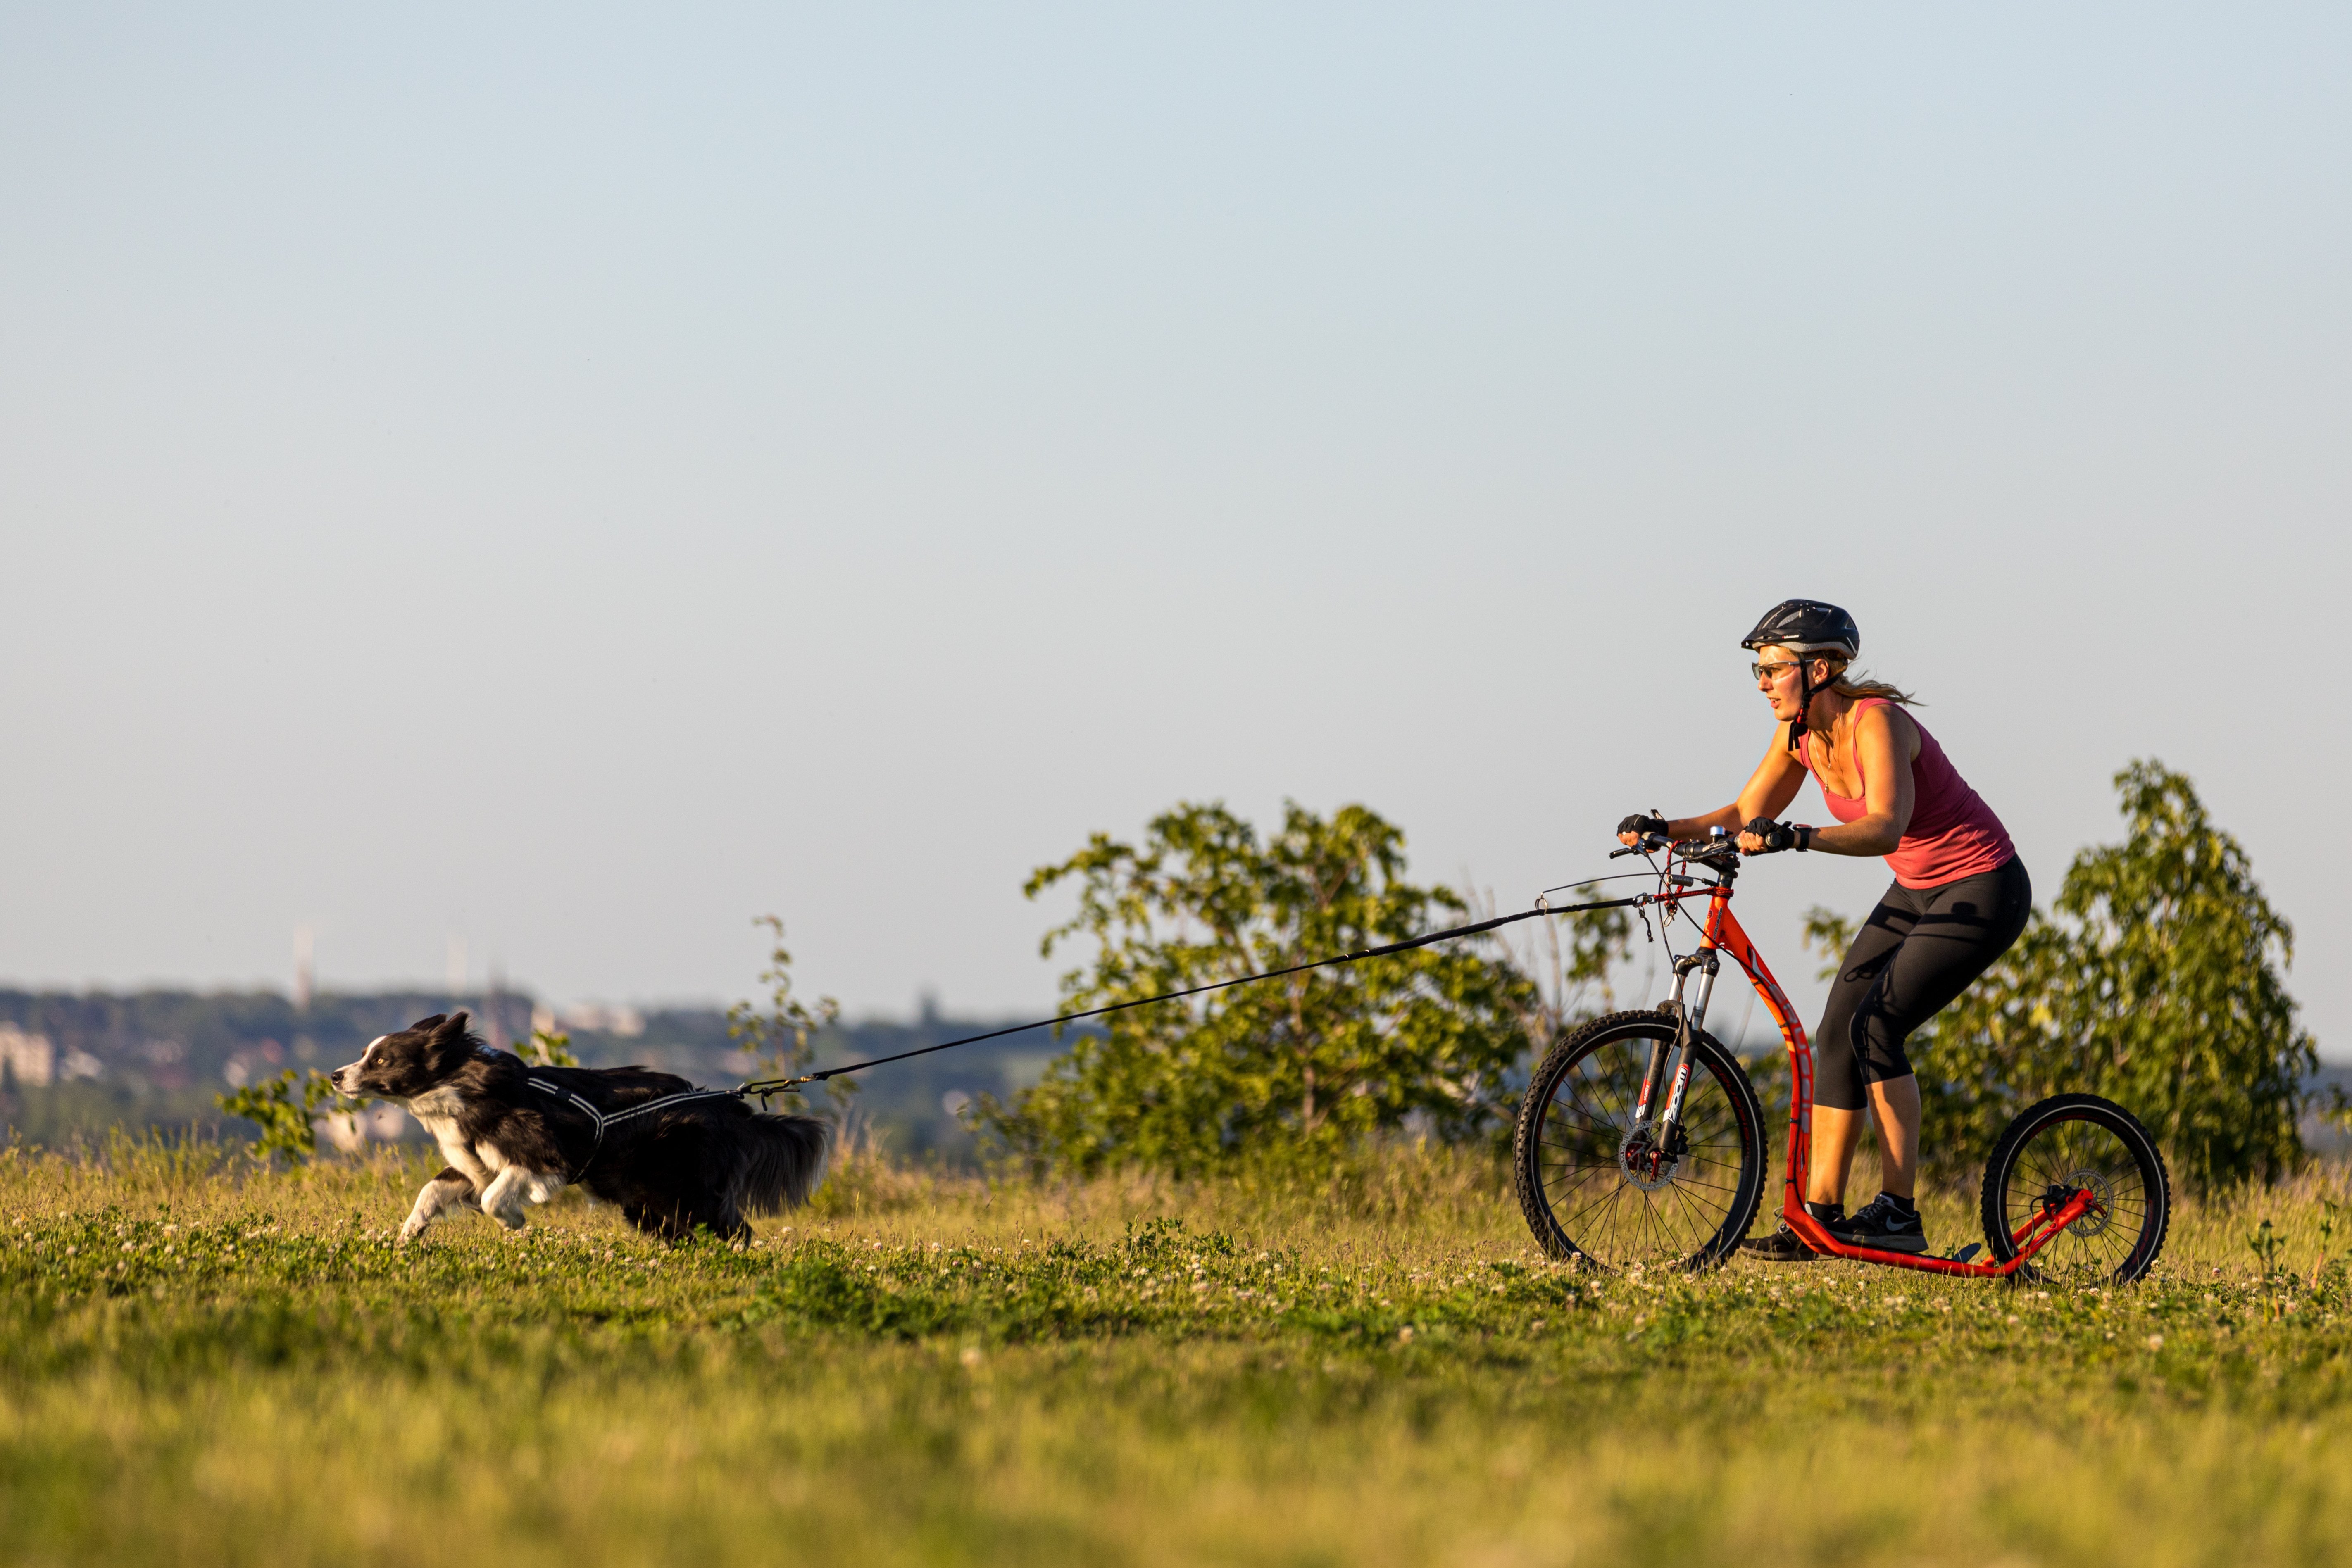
column 1599, row 1184
column 2069, row 1143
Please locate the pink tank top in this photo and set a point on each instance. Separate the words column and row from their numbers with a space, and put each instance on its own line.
column 1953, row 833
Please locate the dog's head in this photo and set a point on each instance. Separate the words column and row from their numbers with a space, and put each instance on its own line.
column 403, row 1066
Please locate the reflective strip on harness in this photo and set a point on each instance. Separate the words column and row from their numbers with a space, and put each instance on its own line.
column 600, row 1120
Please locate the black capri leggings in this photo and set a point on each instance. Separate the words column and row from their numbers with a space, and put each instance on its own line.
column 1920, row 947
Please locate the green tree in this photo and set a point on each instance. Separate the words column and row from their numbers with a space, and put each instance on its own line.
column 1828, row 934
column 2158, row 983
column 1311, row 1062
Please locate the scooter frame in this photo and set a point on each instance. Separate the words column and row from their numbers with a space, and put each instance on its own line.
column 1722, row 934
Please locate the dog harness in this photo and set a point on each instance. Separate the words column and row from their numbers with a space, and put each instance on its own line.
column 601, row 1119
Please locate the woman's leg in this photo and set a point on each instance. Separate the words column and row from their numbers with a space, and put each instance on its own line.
column 1962, row 929
column 1837, row 1135
column 1840, row 1091
column 1895, row 1106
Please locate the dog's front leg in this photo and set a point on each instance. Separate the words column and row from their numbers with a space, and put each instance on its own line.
column 451, row 1189
column 503, row 1199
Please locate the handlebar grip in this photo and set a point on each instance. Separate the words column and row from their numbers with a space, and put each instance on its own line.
column 1650, row 843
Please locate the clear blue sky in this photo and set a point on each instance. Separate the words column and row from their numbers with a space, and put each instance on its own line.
column 578, row 478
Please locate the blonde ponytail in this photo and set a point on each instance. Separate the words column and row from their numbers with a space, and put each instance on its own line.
column 1852, row 688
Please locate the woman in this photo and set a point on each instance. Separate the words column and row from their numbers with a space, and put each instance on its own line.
column 1960, row 898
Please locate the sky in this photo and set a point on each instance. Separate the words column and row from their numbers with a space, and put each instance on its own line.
column 567, row 481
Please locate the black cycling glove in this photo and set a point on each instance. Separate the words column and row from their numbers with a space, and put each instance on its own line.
column 1637, row 822
column 1780, row 836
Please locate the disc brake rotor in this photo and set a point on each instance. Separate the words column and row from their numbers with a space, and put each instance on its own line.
column 2095, row 1221
column 1645, row 1164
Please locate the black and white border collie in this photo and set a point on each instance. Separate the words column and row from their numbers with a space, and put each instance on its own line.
column 512, row 1134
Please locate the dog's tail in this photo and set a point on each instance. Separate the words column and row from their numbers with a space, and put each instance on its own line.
column 783, row 1161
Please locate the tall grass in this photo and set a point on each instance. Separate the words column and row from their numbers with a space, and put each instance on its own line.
column 205, row 1362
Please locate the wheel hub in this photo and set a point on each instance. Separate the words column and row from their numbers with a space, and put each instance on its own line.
column 1648, row 1163
column 2061, row 1193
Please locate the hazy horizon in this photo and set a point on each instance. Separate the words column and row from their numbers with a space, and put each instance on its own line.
column 573, row 481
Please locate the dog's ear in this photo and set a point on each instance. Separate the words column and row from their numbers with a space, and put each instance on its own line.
column 446, row 1043
column 426, row 1026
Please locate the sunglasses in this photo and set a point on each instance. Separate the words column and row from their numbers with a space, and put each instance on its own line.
column 1772, row 672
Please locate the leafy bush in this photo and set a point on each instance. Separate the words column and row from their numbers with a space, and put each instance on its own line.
column 282, row 1107
column 550, row 1049
column 780, row 1042
column 2158, row 983
column 1309, row 1063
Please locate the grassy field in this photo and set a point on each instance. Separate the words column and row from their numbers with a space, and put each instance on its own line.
column 203, row 1362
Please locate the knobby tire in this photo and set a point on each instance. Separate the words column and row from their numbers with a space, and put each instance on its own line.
column 2071, row 1140
column 1573, row 1187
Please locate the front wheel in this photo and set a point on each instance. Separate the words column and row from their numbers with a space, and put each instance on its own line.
column 1602, row 1185
column 2069, row 1143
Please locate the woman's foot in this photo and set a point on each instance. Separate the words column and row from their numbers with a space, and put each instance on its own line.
column 1886, row 1224
column 1783, row 1246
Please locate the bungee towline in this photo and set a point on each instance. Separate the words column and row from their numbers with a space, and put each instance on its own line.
column 765, row 1087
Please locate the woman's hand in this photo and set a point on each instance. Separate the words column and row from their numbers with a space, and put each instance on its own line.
column 1765, row 836
column 1630, row 831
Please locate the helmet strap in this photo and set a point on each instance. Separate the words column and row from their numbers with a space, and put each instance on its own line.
column 1806, row 692
column 1804, row 699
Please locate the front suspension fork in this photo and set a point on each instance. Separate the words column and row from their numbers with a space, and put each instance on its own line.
column 1680, row 1051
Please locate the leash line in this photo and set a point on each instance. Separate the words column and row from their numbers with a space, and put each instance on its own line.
column 766, row 1086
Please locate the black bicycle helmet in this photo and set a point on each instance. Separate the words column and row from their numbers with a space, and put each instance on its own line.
column 1807, row 625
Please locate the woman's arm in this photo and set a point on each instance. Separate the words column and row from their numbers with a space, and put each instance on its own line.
column 1769, row 790
column 1888, row 741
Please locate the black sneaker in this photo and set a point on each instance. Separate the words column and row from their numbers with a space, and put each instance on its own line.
column 1783, row 1246
column 1880, row 1226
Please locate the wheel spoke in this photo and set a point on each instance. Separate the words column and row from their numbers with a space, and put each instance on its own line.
column 1583, row 1119
column 2085, row 1146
